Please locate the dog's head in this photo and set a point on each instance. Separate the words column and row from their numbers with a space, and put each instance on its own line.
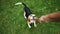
column 32, row 17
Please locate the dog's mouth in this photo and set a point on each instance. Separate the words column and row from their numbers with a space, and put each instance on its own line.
column 32, row 20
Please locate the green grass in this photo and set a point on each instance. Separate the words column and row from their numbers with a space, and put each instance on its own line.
column 12, row 20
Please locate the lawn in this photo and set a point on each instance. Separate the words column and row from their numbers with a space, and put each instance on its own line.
column 12, row 20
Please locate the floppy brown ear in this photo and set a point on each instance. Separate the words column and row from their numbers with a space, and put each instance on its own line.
column 28, row 18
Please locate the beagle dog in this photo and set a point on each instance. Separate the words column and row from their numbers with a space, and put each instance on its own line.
column 54, row 17
column 28, row 15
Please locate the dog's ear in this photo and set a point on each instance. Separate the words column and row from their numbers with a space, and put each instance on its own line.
column 29, row 17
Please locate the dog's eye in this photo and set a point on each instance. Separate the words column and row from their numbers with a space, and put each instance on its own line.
column 34, row 16
column 31, row 19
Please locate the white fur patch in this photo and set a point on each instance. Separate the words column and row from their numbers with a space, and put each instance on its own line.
column 31, row 19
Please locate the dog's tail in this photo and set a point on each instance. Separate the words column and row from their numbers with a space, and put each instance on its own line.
column 20, row 3
column 26, row 9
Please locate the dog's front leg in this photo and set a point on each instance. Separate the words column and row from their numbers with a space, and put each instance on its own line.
column 28, row 24
column 35, row 24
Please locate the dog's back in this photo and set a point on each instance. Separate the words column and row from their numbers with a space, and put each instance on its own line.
column 27, row 11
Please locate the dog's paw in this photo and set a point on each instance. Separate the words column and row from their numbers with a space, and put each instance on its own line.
column 35, row 25
column 29, row 26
